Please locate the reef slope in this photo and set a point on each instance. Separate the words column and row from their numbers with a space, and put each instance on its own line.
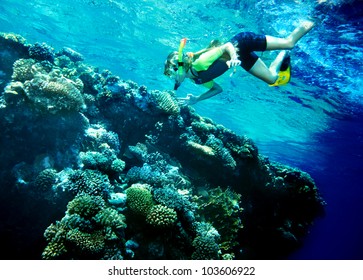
column 125, row 173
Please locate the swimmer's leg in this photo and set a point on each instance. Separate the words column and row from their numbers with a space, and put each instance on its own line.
column 260, row 70
column 276, row 64
column 274, row 43
column 268, row 75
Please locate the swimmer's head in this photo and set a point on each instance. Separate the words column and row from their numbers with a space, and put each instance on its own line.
column 174, row 69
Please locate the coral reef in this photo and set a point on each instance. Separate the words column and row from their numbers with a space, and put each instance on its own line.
column 205, row 243
column 90, row 229
column 115, row 156
column 221, row 208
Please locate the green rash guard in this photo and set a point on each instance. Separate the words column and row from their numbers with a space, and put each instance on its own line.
column 209, row 66
column 203, row 62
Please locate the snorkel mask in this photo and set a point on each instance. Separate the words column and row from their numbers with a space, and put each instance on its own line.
column 179, row 72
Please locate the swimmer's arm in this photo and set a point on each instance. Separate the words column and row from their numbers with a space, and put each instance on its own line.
column 192, row 99
column 214, row 90
column 231, row 50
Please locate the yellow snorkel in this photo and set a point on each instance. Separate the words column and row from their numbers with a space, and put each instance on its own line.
column 180, row 61
column 180, row 55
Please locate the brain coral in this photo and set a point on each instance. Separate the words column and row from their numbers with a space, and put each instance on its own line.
column 139, row 199
column 161, row 216
column 45, row 179
column 22, row 70
column 166, row 103
column 54, row 94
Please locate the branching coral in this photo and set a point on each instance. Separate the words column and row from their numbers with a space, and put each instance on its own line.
column 206, row 243
column 55, row 235
column 109, row 217
column 223, row 153
column 23, row 70
column 72, row 54
column 41, row 52
column 99, row 161
column 86, row 205
column 95, row 160
column 146, row 174
column 161, row 216
column 88, row 243
column 202, row 150
column 97, row 136
column 90, row 229
column 88, row 181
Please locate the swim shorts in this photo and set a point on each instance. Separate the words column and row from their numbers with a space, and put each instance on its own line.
column 247, row 43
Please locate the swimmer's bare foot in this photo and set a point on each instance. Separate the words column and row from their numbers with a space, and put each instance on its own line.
column 300, row 31
column 308, row 25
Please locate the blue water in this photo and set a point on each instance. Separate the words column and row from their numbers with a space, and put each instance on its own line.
column 314, row 123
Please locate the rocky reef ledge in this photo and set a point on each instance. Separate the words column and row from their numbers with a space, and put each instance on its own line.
column 95, row 167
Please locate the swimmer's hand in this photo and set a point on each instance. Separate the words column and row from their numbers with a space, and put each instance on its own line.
column 233, row 63
column 190, row 99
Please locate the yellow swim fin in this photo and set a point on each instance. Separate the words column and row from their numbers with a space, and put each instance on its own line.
column 284, row 74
